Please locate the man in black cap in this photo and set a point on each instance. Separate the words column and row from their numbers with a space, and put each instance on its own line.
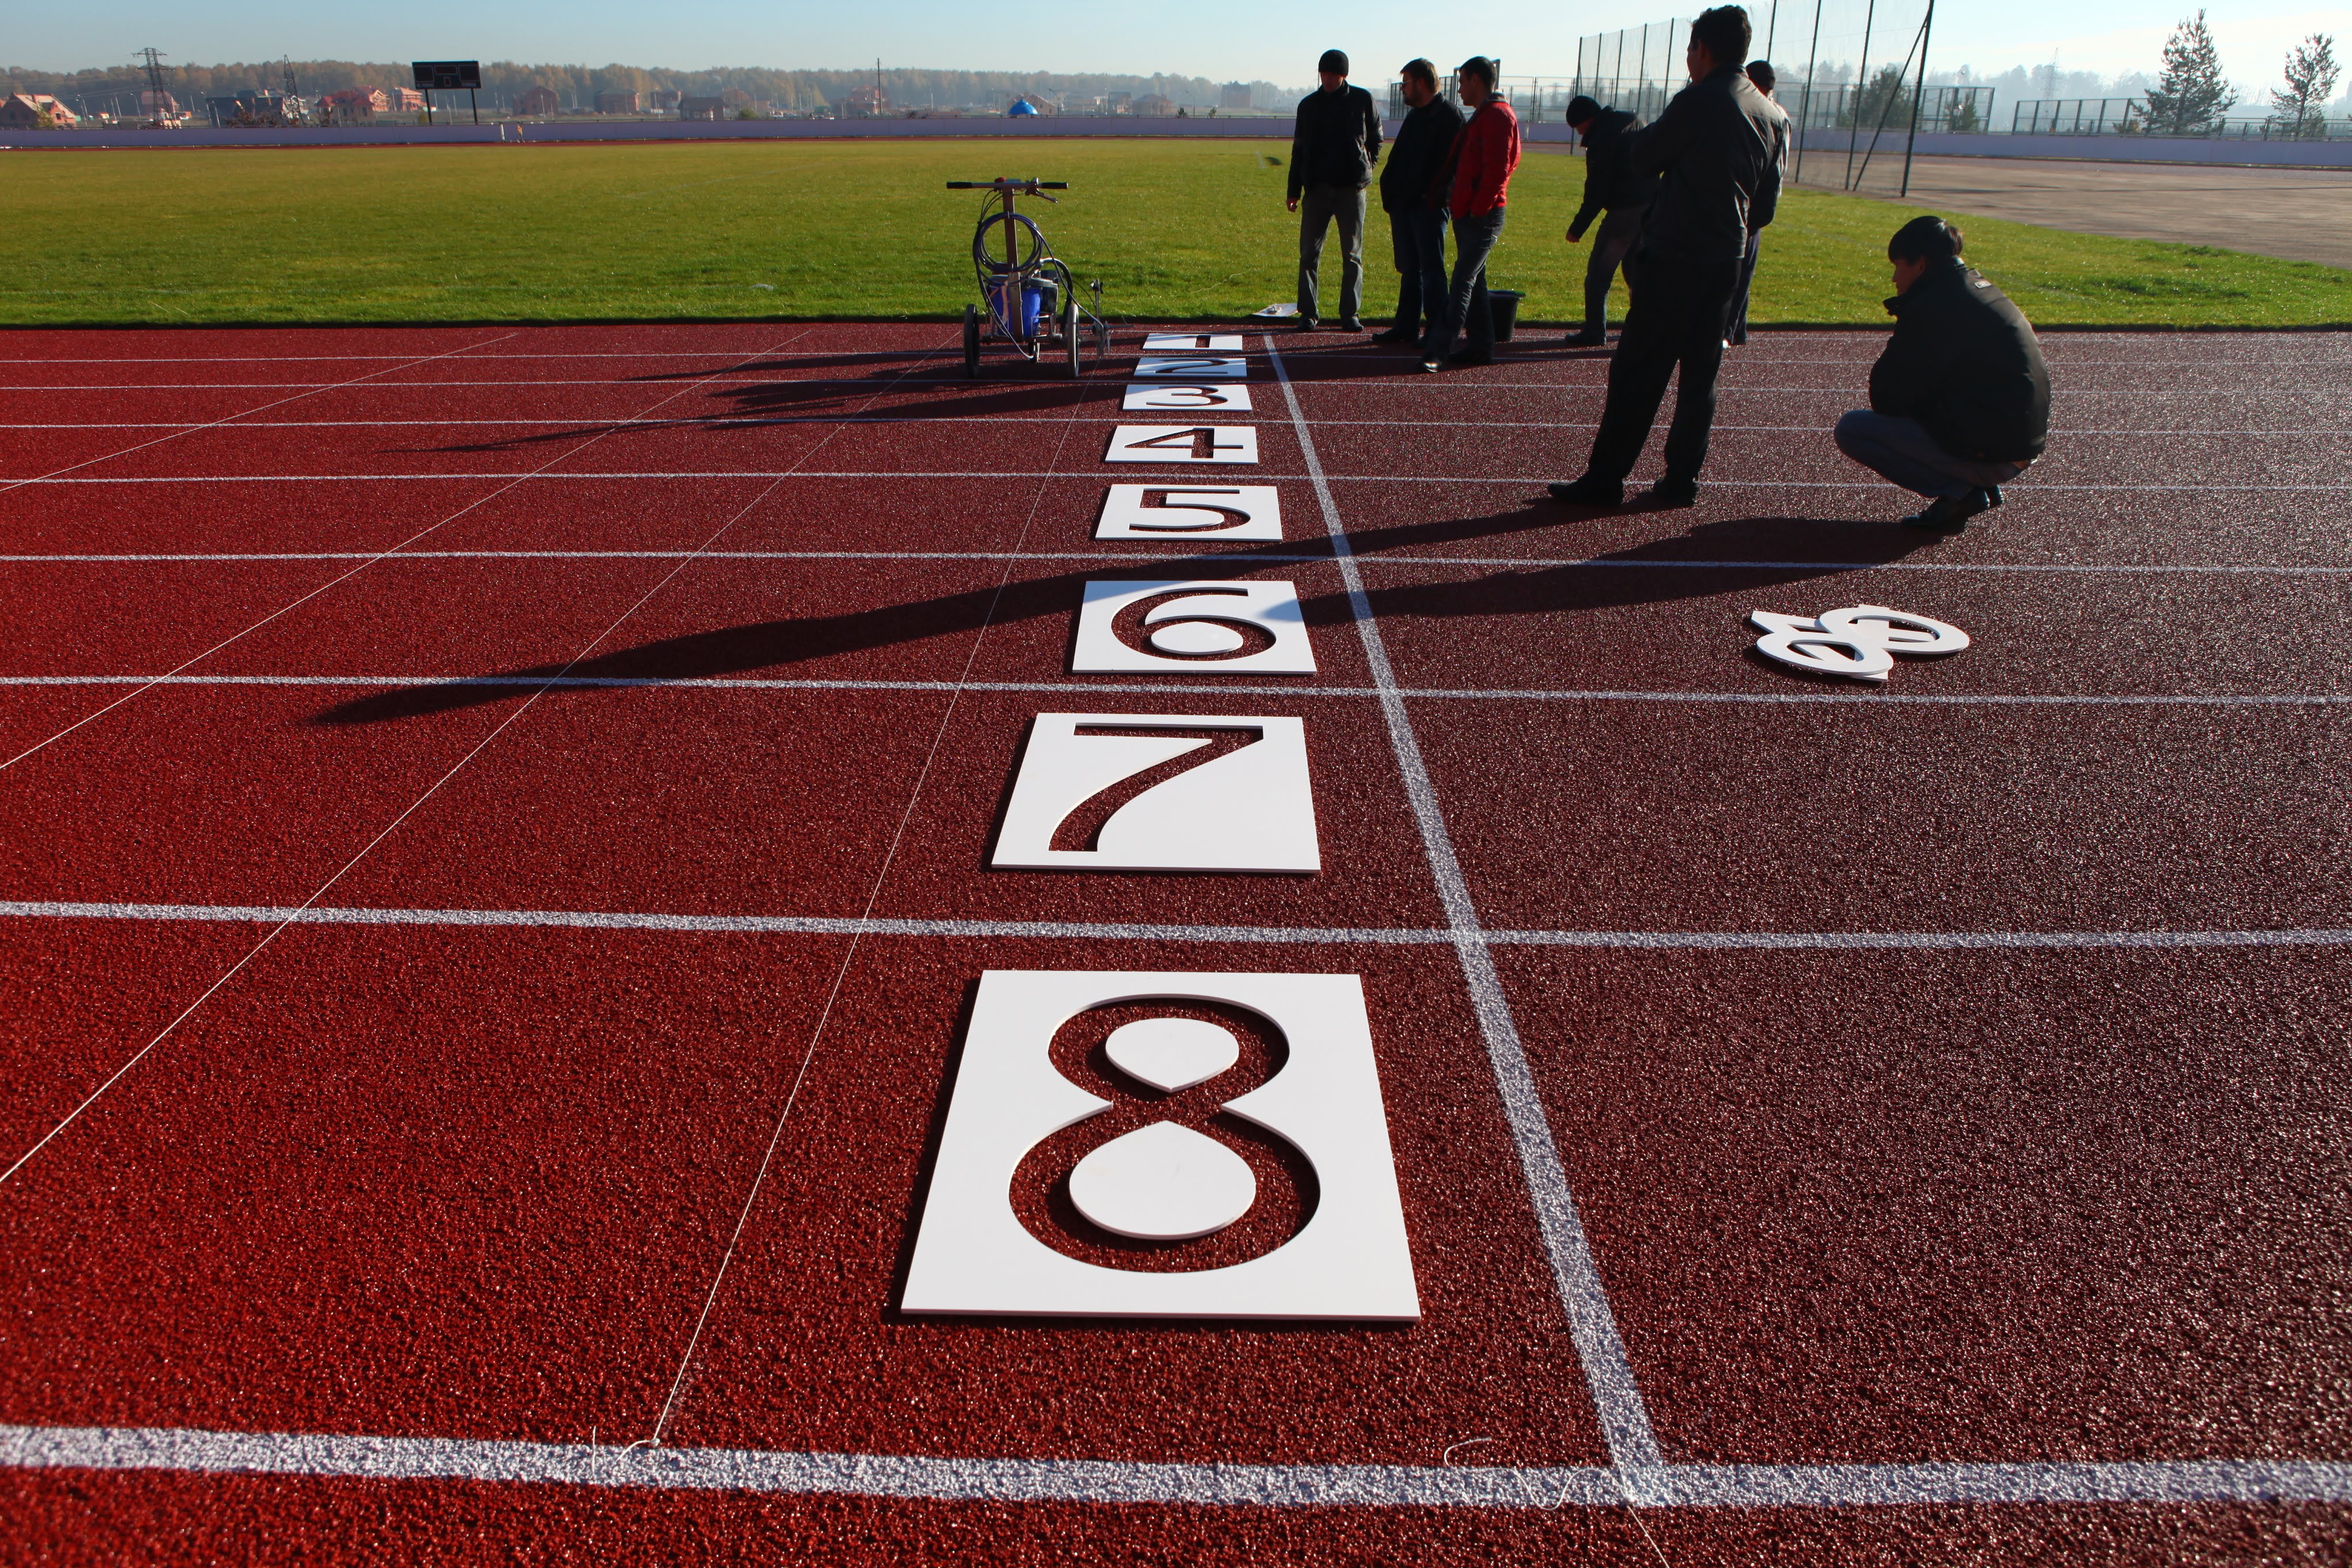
column 1414, row 199
column 1720, row 146
column 1333, row 148
column 1611, row 185
column 1959, row 400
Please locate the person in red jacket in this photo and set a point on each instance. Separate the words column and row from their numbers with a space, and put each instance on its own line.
column 1484, row 152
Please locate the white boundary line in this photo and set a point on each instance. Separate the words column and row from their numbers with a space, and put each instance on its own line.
column 1107, row 930
column 1115, row 1481
column 1609, row 1374
column 1189, row 471
column 1853, row 695
column 1203, row 548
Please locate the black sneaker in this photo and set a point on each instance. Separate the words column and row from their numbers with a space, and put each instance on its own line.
column 1352, row 324
column 1397, row 335
column 1586, row 340
column 1672, row 490
column 1992, row 495
column 1306, row 324
column 1587, row 491
column 1949, row 514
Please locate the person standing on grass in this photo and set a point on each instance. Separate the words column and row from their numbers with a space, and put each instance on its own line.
column 1333, row 147
column 1960, row 399
column 1610, row 186
column 1766, row 78
column 1484, row 155
column 1416, row 205
column 1720, row 146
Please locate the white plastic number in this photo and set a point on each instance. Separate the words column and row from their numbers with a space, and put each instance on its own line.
column 1183, row 443
column 1859, row 642
column 1245, row 806
column 1206, row 342
column 1193, row 630
column 1192, row 368
column 1146, row 396
column 1194, row 512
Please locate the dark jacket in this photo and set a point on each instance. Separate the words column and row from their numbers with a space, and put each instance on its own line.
column 1418, row 156
column 1720, row 145
column 1964, row 363
column 1610, row 182
column 1337, row 140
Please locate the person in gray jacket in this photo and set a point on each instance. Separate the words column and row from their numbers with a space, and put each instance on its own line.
column 1610, row 185
column 1333, row 147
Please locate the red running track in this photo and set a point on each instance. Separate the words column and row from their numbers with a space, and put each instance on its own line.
column 1832, row 1125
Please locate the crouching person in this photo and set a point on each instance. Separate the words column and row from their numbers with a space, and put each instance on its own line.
column 1960, row 399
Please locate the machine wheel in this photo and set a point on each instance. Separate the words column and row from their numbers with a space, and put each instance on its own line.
column 1070, row 334
column 971, row 340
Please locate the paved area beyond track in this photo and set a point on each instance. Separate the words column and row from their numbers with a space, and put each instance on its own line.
column 2300, row 215
column 495, row 830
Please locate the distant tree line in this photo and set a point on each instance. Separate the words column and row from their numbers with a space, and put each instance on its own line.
column 578, row 85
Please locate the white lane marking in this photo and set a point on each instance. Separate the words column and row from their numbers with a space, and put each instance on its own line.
column 1125, row 1481
column 2024, row 489
column 1609, row 1374
column 1112, row 931
column 1546, row 563
column 758, row 683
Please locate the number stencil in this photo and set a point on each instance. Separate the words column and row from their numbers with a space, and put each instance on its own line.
column 1183, row 443
column 1197, row 618
column 1248, row 808
column 1191, row 511
column 1205, row 342
column 1193, row 367
column 1186, row 395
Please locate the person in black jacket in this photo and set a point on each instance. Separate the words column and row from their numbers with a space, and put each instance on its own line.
column 1410, row 195
column 1960, row 399
column 1766, row 78
column 1335, row 143
column 1720, row 145
column 1610, row 185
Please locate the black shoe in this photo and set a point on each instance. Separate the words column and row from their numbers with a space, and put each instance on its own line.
column 1306, row 324
column 1397, row 335
column 1993, row 495
column 1352, row 324
column 1949, row 514
column 1672, row 490
column 1467, row 357
column 1432, row 366
column 1586, row 340
column 1589, row 492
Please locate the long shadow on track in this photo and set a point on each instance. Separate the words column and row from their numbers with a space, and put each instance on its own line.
column 764, row 645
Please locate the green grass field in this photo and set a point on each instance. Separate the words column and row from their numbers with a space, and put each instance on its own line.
column 1189, row 229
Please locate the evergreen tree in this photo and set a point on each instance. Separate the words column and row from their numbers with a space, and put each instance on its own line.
column 2193, row 93
column 2301, row 108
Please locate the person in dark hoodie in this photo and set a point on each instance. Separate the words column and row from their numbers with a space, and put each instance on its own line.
column 1415, row 205
column 1333, row 147
column 1720, row 145
column 1610, row 186
column 1960, row 399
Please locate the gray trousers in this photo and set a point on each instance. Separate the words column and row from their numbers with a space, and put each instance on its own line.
column 1903, row 451
column 1318, row 206
column 1612, row 245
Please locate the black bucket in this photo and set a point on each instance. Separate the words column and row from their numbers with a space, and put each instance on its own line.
column 1503, row 305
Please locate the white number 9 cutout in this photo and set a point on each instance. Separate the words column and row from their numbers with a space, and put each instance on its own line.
column 1859, row 642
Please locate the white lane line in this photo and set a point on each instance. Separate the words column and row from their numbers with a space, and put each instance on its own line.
column 1114, row 930
column 1856, row 695
column 1609, row 1374
column 184, row 1451
column 336, row 581
column 1208, row 549
column 2025, row 489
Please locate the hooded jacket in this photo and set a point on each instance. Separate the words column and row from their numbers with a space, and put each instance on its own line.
column 1610, row 182
column 1965, row 364
column 1334, row 142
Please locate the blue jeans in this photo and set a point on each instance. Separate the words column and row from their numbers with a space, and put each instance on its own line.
column 1902, row 450
column 1418, row 234
column 1466, row 309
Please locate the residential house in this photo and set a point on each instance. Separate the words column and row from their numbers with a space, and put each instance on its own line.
column 537, row 100
column 35, row 112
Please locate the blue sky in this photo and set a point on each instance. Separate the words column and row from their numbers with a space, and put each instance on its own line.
column 1274, row 40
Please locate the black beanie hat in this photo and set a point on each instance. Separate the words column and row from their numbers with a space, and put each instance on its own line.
column 1581, row 109
column 1334, row 60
